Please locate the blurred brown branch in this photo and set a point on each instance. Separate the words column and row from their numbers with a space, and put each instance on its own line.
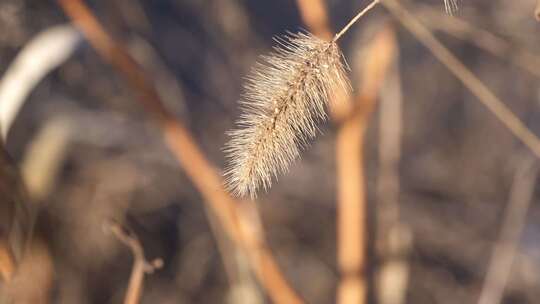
column 514, row 220
column 140, row 265
column 203, row 175
column 352, row 222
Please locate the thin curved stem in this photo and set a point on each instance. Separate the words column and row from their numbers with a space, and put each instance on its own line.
column 353, row 20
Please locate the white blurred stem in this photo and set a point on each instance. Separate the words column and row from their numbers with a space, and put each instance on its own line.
column 45, row 52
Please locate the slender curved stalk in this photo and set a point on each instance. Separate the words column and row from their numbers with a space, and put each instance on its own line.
column 356, row 18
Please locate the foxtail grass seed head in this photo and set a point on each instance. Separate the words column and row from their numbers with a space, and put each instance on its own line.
column 285, row 98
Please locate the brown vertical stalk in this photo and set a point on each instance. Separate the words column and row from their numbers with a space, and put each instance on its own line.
column 352, row 230
column 313, row 13
column 351, row 211
column 203, row 175
column 353, row 118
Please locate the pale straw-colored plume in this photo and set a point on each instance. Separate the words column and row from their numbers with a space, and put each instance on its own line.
column 284, row 100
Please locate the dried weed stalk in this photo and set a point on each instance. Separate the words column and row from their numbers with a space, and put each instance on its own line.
column 285, row 97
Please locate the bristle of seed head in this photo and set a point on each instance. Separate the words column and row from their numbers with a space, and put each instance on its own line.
column 451, row 6
column 285, row 98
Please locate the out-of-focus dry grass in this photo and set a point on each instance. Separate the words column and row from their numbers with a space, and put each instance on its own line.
column 457, row 169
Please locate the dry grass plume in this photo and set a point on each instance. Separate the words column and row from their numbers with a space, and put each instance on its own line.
column 285, row 97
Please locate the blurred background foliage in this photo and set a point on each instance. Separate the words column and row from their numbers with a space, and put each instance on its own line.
column 458, row 162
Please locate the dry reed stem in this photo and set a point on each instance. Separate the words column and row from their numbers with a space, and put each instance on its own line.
column 482, row 39
column 504, row 252
column 188, row 154
column 353, row 119
column 469, row 80
column 313, row 13
column 140, row 265
column 352, row 208
column 351, row 287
